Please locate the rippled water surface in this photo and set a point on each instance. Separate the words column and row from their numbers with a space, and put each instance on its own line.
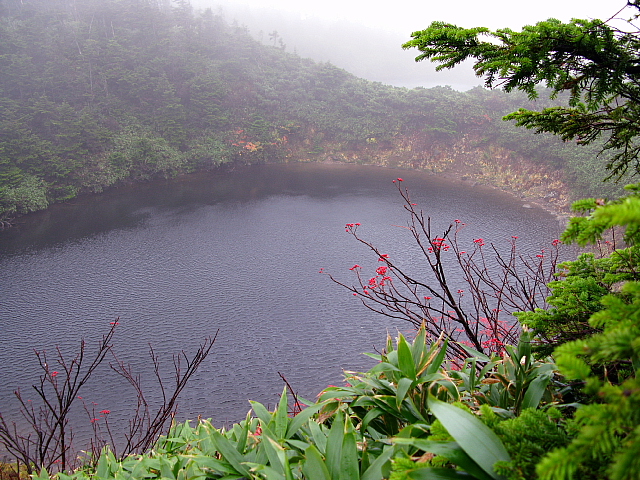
column 237, row 252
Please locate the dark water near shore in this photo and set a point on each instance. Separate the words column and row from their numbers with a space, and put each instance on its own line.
column 239, row 252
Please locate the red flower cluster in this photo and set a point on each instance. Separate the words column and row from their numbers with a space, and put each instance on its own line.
column 478, row 241
column 439, row 244
column 383, row 257
column 493, row 342
column 381, row 270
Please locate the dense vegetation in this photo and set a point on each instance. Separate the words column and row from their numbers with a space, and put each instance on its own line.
column 95, row 93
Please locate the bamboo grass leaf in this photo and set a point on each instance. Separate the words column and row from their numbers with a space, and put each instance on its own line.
column 450, row 450
column 319, row 437
column 275, row 454
column 303, row 417
column 244, row 434
column 229, row 453
column 314, row 467
column 475, row 353
column 261, row 412
column 371, row 415
column 473, row 436
column 431, row 473
column 403, row 387
column 349, row 465
column 334, row 445
column 268, row 472
column 377, row 470
column 535, row 391
column 281, row 415
column 203, row 461
column 436, row 363
column 418, row 347
column 405, row 358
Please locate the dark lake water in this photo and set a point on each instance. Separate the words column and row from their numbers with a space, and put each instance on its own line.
column 239, row 252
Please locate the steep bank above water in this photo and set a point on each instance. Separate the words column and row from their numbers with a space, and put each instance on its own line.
column 468, row 159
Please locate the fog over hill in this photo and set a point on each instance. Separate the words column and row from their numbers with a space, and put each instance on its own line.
column 373, row 54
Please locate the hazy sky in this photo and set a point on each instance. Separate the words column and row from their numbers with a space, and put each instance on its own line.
column 409, row 15
column 364, row 36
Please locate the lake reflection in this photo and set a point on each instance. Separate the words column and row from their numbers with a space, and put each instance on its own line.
column 240, row 252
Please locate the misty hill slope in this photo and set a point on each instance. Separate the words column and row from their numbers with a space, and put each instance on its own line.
column 95, row 93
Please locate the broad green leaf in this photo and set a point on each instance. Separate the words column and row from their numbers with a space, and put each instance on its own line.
column 524, row 346
column 436, row 363
column 349, row 465
column 268, row 472
column 418, row 346
column 273, row 451
column 204, row 461
column 410, row 408
column 104, row 464
column 301, row 418
column 140, row 468
column 374, row 356
column 403, row 387
column 535, row 391
column 475, row 353
column 488, row 366
column 384, row 367
column 261, row 412
column 166, row 470
column 376, row 470
column 336, row 393
column 314, row 467
column 450, row 450
column 389, row 344
column 43, row 474
column 300, row 445
column 371, row 415
column 287, row 468
column 244, row 434
column 392, row 358
column 363, row 401
column 432, row 473
column 319, row 437
column 451, row 387
column 334, row 445
column 282, row 415
column 472, row 380
column 405, row 358
column 229, row 452
column 475, row 438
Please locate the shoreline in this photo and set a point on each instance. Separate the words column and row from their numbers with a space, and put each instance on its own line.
column 451, row 174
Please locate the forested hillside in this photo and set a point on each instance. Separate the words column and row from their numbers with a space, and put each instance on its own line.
column 95, row 93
